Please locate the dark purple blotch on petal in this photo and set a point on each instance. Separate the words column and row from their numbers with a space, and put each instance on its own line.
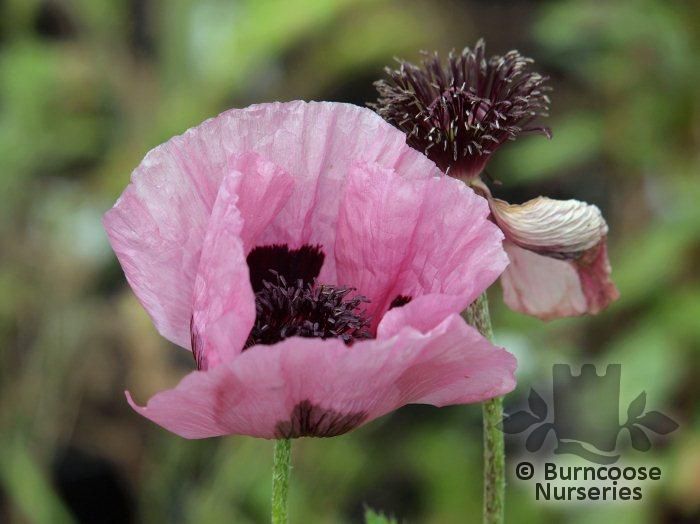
column 310, row 420
column 400, row 300
column 197, row 347
column 292, row 264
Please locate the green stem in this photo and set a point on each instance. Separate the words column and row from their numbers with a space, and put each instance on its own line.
column 281, row 466
column 477, row 314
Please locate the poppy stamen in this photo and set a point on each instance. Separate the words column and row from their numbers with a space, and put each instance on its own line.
column 467, row 107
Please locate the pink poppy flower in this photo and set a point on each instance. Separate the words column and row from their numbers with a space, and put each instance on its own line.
column 459, row 114
column 316, row 267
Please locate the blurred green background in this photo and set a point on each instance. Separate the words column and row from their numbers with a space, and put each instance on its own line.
column 88, row 86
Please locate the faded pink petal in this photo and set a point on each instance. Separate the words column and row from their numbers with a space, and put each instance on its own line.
column 559, row 265
column 550, row 288
column 594, row 271
column 557, row 228
column 541, row 286
column 158, row 225
column 313, row 387
column 399, row 236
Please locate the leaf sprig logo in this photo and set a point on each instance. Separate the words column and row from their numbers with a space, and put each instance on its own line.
column 586, row 416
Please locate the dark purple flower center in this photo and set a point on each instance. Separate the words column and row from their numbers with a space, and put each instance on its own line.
column 290, row 303
column 460, row 112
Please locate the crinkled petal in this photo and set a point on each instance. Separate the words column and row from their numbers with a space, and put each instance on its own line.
column 157, row 227
column 323, row 388
column 422, row 313
column 550, row 288
column 224, row 304
column 413, row 237
column 264, row 189
column 556, row 228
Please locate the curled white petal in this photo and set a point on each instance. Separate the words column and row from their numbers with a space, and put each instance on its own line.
column 555, row 228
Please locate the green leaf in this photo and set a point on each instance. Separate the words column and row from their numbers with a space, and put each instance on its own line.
column 536, row 438
column 640, row 441
column 636, row 407
column 537, row 405
column 658, row 422
column 518, row 421
column 28, row 488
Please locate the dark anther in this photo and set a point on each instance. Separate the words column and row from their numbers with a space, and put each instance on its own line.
column 286, row 309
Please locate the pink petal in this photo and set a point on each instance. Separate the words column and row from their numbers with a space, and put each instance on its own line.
column 313, row 387
column 413, row 237
column 224, row 304
column 594, row 271
column 422, row 313
column 264, row 190
column 157, row 227
column 552, row 288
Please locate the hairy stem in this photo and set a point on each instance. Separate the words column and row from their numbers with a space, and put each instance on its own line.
column 281, row 466
column 477, row 314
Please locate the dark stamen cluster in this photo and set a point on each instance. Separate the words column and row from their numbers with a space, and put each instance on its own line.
column 460, row 112
column 304, row 309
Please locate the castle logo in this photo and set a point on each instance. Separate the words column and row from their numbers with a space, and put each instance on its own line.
column 586, row 416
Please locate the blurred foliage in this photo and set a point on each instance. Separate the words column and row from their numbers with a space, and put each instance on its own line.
column 372, row 517
column 88, row 86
